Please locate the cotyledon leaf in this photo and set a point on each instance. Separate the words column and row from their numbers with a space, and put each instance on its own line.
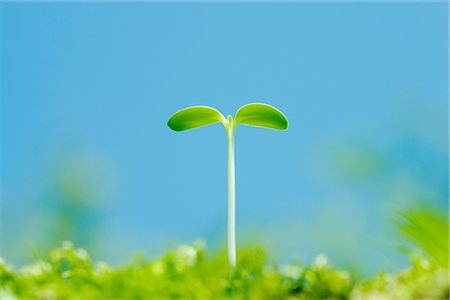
column 261, row 115
column 195, row 116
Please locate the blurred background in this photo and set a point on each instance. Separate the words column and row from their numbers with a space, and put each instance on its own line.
column 86, row 155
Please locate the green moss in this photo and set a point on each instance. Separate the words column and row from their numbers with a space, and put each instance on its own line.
column 190, row 273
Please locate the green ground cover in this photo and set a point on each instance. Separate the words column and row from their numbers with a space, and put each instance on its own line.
column 189, row 272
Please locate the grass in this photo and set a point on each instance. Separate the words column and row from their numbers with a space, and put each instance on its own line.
column 427, row 229
column 189, row 272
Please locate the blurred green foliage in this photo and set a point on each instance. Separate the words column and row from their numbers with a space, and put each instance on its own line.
column 427, row 228
column 188, row 272
column 423, row 280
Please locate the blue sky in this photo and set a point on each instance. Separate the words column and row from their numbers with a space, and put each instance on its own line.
column 91, row 86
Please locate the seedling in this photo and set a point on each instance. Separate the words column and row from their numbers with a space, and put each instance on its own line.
column 253, row 114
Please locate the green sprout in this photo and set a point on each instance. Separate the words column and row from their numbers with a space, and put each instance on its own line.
column 253, row 114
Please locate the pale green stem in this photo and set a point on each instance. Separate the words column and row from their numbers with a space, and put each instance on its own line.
column 231, row 194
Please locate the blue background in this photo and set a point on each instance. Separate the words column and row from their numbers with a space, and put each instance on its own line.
column 87, row 89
